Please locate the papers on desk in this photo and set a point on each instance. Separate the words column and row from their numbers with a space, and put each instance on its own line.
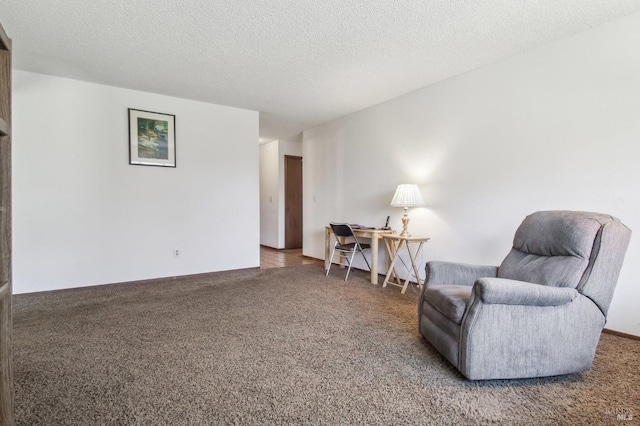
column 356, row 226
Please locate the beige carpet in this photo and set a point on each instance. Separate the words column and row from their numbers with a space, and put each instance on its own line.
column 277, row 346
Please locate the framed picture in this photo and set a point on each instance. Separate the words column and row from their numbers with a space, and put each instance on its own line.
column 152, row 138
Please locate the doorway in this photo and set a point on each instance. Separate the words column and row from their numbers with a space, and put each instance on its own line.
column 292, row 202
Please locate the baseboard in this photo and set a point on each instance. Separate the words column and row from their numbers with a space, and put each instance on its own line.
column 621, row 334
column 143, row 281
column 312, row 258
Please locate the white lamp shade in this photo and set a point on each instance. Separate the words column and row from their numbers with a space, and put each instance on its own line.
column 407, row 195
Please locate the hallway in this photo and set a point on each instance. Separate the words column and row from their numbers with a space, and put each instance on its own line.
column 273, row 258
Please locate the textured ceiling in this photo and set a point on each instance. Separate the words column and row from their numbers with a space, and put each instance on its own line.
column 299, row 62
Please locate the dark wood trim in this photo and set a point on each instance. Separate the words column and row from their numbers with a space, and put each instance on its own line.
column 6, row 325
column 621, row 334
column 4, row 128
column 5, row 41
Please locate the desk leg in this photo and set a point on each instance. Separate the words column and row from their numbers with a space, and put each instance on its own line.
column 327, row 239
column 391, row 253
column 374, row 259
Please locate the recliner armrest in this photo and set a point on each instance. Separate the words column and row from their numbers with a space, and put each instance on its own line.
column 511, row 292
column 438, row 272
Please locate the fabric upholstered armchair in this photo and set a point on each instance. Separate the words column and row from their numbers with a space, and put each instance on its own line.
column 541, row 312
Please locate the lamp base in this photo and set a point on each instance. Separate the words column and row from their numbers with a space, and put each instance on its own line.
column 405, row 223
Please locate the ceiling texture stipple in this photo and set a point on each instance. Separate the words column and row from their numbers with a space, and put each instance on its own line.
column 300, row 63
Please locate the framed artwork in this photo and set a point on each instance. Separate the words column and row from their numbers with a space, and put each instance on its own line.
column 152, row 138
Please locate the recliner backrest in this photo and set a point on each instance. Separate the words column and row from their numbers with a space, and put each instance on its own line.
column 569, row 249
column 551, row 248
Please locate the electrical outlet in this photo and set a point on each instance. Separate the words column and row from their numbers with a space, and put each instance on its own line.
column 176, row 253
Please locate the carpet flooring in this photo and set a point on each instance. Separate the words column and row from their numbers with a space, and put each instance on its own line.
column 276, row 346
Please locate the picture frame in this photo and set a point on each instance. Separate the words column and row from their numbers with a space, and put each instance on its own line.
column 152, row 138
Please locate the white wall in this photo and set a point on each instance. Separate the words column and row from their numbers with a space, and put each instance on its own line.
column 554, row 128
column 269, row 195
column 272, row 195
column 83, row 216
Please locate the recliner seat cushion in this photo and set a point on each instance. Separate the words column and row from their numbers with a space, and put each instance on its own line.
column 450, row 300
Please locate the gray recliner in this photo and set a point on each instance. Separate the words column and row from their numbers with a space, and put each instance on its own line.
column 541, row 312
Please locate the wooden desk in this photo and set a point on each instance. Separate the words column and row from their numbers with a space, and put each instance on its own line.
column 394, row 243
column 373, row 234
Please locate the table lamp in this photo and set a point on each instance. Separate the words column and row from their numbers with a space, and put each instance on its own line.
column 407, row 195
